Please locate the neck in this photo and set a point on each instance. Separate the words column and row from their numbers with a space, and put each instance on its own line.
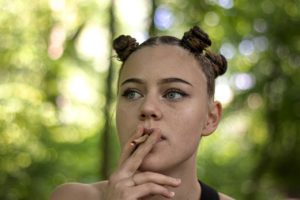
column 189, row 188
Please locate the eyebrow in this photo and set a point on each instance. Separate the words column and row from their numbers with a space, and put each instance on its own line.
column 174, row 80
column 133, row 80
column 163, row 81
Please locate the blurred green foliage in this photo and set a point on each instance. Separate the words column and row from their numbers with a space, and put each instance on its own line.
column 54, row 57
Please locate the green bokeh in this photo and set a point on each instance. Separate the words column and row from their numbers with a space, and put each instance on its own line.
column 52, row 96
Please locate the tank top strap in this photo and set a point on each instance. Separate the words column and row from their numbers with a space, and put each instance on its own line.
column 208, row 193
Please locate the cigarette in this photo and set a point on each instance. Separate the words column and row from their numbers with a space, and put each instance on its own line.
column 139, row 140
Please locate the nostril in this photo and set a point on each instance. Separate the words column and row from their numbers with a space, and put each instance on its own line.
column 149, row 115
column 154, row 116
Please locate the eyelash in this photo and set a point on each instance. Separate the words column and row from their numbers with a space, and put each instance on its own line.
column 183, row 94
column 128, row 91
column 178, row 91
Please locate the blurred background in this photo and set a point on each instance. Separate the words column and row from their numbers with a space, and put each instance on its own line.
column 58, row 86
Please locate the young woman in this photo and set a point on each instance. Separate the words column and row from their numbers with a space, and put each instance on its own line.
column 165, row 106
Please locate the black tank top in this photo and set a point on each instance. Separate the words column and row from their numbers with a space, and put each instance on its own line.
column 208, row 193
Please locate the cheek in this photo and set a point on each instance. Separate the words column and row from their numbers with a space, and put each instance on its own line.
column 191, row 119
column 189, row 127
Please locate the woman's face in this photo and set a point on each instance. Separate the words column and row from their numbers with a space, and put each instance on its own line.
column 164, row 87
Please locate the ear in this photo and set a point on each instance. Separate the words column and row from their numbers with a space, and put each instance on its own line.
column 213, row 118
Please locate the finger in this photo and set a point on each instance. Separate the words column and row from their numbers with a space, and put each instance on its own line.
column 140, row 140
column 128, row 188
column 150, row 189
column 134, row 161
column 128, row 148
column 145, row 177
column 120, row 189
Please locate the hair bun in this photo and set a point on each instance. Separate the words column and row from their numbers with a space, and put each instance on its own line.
column 219, row 63
column 196, row 40
column 124, row 45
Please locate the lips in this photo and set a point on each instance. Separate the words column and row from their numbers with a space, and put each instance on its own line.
column 148, row 131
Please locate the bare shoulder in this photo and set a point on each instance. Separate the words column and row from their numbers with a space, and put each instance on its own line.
column 225, row 197
column 79, row 191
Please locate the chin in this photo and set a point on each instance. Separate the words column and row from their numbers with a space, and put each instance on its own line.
column 153, row 163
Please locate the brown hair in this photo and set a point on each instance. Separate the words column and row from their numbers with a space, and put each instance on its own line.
column 195, row 41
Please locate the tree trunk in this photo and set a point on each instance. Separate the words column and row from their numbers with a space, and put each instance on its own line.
column 105, row 140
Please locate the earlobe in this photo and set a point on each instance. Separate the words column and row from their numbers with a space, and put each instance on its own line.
column 213, row 118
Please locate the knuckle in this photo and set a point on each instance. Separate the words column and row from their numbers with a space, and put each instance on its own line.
column 130, row 170
column 152, row 186
column 145, row 175
column 149, row 175
column 118, row 186
column 155, row 176
column 118, row 175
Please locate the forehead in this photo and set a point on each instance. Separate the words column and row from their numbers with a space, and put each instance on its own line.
column 162, row 61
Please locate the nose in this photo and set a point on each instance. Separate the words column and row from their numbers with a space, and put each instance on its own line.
column 150, row 109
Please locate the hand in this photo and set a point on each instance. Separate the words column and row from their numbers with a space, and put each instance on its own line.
column 127, row 183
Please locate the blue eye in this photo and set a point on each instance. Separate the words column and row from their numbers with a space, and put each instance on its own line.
column 131, row 94
column 174, row 95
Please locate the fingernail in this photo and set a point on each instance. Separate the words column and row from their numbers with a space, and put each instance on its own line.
column 132, row 144
column 140, row 140
column 172, row 194
column 178, row 180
